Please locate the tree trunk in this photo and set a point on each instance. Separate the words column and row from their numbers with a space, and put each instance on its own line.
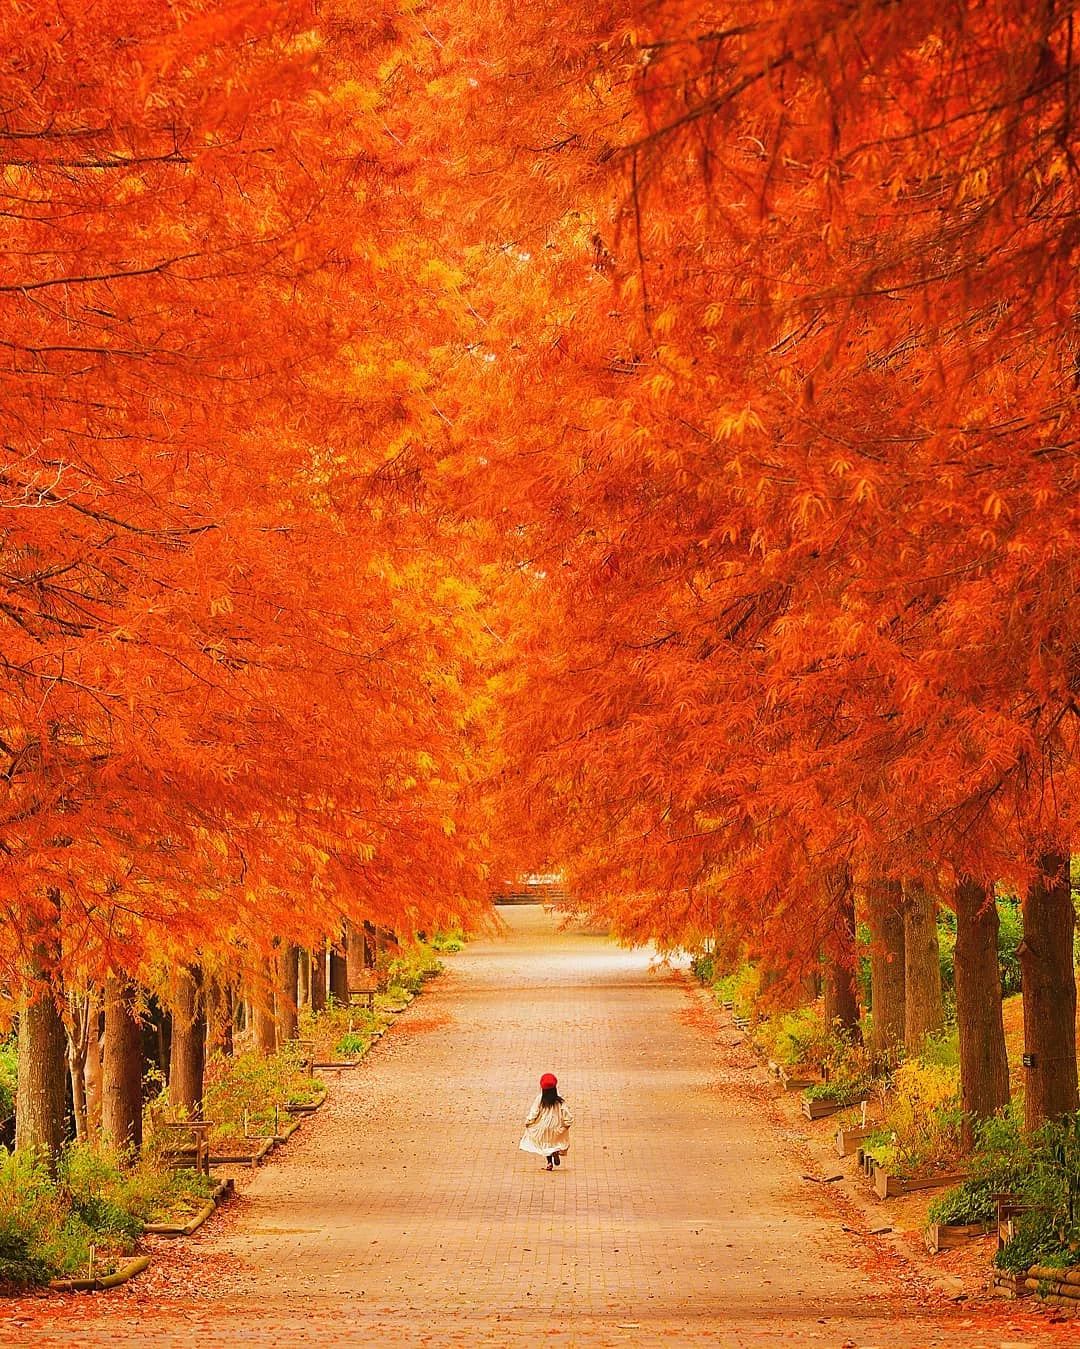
column 220, row 1007
column 262, row 1009
column 318, row 979
column 885, row 918
column 121, row 1113
column 41, row 1094
column 339, row 975
column 187, row 1056
column 356, row 950
column 841, row 999
column 1049, row 988
column 78, row 1040
column 287, row 970
column 92, row 1071
column 984, row 1065
column 924, row 1014
column 41, row 1068
column 371, row 943
column 303, row 997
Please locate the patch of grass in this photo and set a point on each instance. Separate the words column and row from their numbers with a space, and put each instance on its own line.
column 842, row 1091
column 797, row 1039
column 351, row 1045
column 942, row 1050
column 330, row 1027
column 449, row 942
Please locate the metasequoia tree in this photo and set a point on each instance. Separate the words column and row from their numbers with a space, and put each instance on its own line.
column 239, row 648
column 791, row 459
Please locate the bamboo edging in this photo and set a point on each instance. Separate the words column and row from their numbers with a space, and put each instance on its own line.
column 1065, row 1279
column 285, row 1134
column 114, row 1280
column 222, row 1191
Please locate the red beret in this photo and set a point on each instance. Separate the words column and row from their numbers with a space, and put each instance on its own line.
column 548, row 1080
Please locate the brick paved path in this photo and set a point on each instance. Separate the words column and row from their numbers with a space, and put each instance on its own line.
column 404, row 1214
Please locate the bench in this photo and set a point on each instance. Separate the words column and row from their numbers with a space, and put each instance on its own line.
column 364, row 988
column 187, row 1143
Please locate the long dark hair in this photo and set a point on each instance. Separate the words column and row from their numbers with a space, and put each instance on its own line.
column 550, row 1096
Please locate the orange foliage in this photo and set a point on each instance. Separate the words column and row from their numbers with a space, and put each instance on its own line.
column 242, row 685
column 799, row 485
column 653, row 420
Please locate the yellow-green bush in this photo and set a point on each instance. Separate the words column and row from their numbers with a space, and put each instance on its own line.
column 923, row 1112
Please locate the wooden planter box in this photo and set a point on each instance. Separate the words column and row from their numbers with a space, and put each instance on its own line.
column 888, row 1186
column 947, row 1236
column 308, row 1108
column 848, row 1140
column 793, row 1083
column 822, row 1109
column 1009, row 1208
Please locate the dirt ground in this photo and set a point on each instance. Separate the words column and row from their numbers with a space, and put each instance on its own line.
column 404, row 1213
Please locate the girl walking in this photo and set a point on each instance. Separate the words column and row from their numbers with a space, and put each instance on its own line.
column 547, row 1125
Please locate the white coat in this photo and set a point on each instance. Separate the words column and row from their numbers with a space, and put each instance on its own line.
column 547, row 1128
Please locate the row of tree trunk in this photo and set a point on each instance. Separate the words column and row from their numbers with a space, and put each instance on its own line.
column 905, row 981
column 81, row 1063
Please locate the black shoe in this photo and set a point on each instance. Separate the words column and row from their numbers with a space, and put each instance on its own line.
column 549, row 1167
column 555, row 1159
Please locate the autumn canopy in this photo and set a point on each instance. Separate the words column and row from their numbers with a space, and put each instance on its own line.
column 445, row 442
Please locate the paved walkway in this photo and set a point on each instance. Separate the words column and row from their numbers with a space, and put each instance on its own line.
column 405, row 1214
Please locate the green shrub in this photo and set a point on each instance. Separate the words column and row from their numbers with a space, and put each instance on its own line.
column 97, row 1199
column 351, row 1044
column 409, row 968
column 449, row 942
column 1049, row 1233
column 1001, row 1163
column 29, row 1209
column 942, row 1050
column 946, row 934
column 800, row 1039
column 842, row 1090
column 797, row 1039
column 703, row 967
